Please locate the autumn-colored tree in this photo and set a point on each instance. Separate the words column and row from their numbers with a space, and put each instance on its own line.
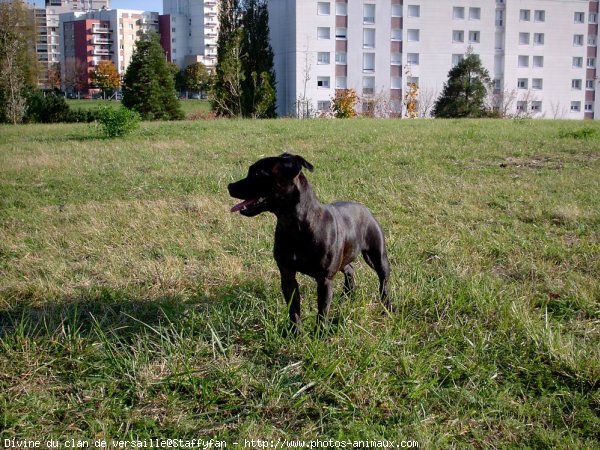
column 343, row 103
column 106, row 77
column 196, row 77
column 54, row 76
column 411, row 96
column 75, row 76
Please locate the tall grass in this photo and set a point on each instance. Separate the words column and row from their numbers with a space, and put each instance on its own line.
column 133, row 304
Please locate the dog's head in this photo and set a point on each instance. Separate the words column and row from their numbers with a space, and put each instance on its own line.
column 269, row 186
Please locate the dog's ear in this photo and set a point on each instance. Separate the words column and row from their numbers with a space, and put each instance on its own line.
column 294, row 163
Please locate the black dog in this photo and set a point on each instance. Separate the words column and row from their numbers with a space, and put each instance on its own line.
column 315, row 239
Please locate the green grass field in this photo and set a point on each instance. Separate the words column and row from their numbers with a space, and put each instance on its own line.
column 190, row 107
column 133, row 304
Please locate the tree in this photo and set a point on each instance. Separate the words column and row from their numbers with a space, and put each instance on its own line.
column 465, row 91
column 54, row 79
column 244, row 77
column 148, row 85
column 196, row 77
column 106, row 77
column 18, row 65
column 75, row 76
column 228, row 88
column 259, row 98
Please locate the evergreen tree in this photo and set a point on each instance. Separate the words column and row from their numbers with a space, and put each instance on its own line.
column 465, row 91
column 259, row 85
column 148, row 85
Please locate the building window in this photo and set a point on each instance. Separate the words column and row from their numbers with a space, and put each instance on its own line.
column 369, row 62
column 396, row 59
column 474, row 37
column 458, row 12
column 323, row 8
column 412, row 59
column 322, row 57
column 576, row 85
column 593, row 17
column 341, row 33
column 591, row 63
column 537, row 84
column 412, row 35
column 396, row 82
column 592, row 40
column 458, row 36
column 536, row 106
column 577, row 62
column 538, row 62
column 369, row 38
column 456, row 58
column 173, row 40
column 538, row 38
column 499, row 18
column 522, row 83
column 523, row 61
column 323, row 82
column 589, row 85
column 414, row 11
column 524, row 15
column 579, row 17
column 575, row 106
column 368, row 85
column 341, row 83
column 369, row 13
column 173, row 30
column 396, row 34
column 589, row 107
column 341, row 9
column 413, row 80
column 523, row 38
column 340, row 58
column 323, row 33
column 474, row 13
column 539, row 15
column 323, row 105
column 396, row 10
column 521, row 105
column 578, row 40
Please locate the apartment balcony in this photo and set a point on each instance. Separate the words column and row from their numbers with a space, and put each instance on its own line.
column 102, row 52
column 210, row 3
column 210, row 35
column 210, row 13
column 100, row 30
column 101, row 41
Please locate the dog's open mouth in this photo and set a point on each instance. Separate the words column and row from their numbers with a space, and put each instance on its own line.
column 247, row 204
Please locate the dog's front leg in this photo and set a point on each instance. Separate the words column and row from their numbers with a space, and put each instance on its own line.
column 324, row 296
column 291, row 294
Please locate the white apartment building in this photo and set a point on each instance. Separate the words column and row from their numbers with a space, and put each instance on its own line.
column 540, row 53
column 321, row 46
column 189, row 31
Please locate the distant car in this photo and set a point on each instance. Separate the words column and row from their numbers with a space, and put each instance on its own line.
column 195, row 97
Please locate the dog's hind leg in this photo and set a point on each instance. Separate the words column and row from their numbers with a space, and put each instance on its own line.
column 376, row 258
column 349, row 283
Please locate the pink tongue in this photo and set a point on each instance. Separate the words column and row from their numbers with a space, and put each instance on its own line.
column 243, row 204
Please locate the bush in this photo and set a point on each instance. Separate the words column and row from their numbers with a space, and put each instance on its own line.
column 82, row 116
column 117, row 122
column 586, row 132
column 50, row 108
column 343, row 103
